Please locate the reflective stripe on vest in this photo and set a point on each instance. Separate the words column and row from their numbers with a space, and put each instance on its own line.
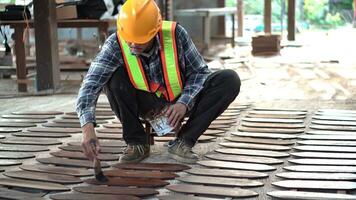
column 169, row 58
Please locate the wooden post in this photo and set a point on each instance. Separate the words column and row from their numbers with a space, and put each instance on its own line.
column 46, row 36
column 354, row 21
column 268, row 16
column 291, row 20
column 20, row 59
column 221, row 19
column 240, row 18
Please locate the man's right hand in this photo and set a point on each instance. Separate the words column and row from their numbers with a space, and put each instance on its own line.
column 91, row 151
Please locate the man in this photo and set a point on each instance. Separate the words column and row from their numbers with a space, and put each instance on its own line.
column 148, row 65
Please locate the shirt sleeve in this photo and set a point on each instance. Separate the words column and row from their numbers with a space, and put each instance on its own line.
column 196, row 70
column 99, row 73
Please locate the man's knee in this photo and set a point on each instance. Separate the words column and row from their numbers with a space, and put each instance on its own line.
column 231, row 82
column 118, row 82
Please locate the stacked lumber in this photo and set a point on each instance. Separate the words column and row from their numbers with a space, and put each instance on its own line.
column 266, row 44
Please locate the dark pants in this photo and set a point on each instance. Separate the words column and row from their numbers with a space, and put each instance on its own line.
column 128, row 103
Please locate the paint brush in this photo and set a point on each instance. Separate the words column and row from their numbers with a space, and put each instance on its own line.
column 99, row 175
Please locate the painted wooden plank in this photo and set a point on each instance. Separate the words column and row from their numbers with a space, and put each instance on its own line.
column 36, row 121
column 17, row 124
column 300, row 195
column 326, row 148
column 334, row 128
column 336, row 118
column 271, row 120
column 324, row 155
column 309, row 161
column 152, row 166
column 277, row 112
column 10, row 130
column 318, row 176
column 327, row 143
column 324, row 132
column 140, row 174
column 22, row 148
column 272, row 125
column 320, row 168
column 19, row 195
column 4, row 163
column 36, row 112
column 333, row 122
column 259, row 141
column 271, row 154
column 242, row 145
column 80, row 196
column 26, row 141
column 55, row 130
column 265, row 135
column 103, row 143
column 228, row 173
column 45, row 177
column 109, row 130
column 320, row 185
column 61, row 125
column 28, row 116
column 247, row 159
column 112, row 150
column 275, row 116
column 211, row 190
column 15, row 155
column 81, row 156
column 57, row 170
column 328, row 137
column 97, row 189
column 271, row 130
column 41, row 135
column 235, row 165
column 219, row 181
column 9, row 182
column 69, row 162
column 127, row 182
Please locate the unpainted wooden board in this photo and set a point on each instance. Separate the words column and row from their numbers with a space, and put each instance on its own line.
column 281, row 109
column 69, row 162
column 259, row 141
column 35, row 112
column 4, row 163
column 109, row 130
column 247, row 159
column 227, row 118
column 228, row 173
column 153, row 166
column 320, row 168
column 219, row 181
column 103, row 143
column 127, row 182
column 242, row 145
column 317, row 176
column 81, row 156
column 56, row 130
column 326, row 148
column 227, row 122
column 271, row 120
column 38, row 141
column 57, row 170
column 277, row 112
column 97, row 189
column 9, row 130
column 335, row 114
column 272, row 125
column 117, row 125
column 24, row 120
column 96, row 117
column 275, row 116
column 2, row 170
column 333, row 128
column 300, row 195
column 22, row 148
column 214, row 132
column 333, row 122
column 235, row 165
column 265, row 135
column 108, row 136
column 80, row 196
column 320, row 185
column 336, row 118
column 61, row 125
column 41, row 135
column 235, row 112
column 271, row 130
column 311, row 161
column 2, row 136
column 140, row 174
column 238, row 107
column 211, row 190
column 28, row 116
column 177, row 196
column 75, row 121
column 112, row 150
column 220, row 126
column 226, row 114
column 327, row 143
column 9, row 182
column 324, row 155
column 15, row 155
column 323, row 132
column 328, row 137
column 17, row 124
column 45, row 177
column 337, row 111
column 248, row 152
column 19, row 195
column 203, row 138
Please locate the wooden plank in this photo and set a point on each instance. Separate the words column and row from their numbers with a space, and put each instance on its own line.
column 264, row 135
column 35, row 112
column 152, row 166
column 235, row 165
column 55, row 130
column 320, row 185
column 219, row 126
column 140, row 174
column 334, row 122
column 81, row 156
column 226, row 173
column 15, row 155
column 57, row 170
column 75, row 121
column 94, row 189
column 335, row 114
column 96, row 117
column 109, row 130
column 177, row 196
column 128, row 182
column 301, row 195
column 227, row 114
column 211, row 190
column 228, row 122
column 275, row 116
column 111, row 150
column 103, row 143
column 19, row 195
column 319, row 168
column 277, row 112
column 324, row 155
column 318, row 176
column 337, row 111
column 69, row 162
column 17, row 124
column 28, row 116
column 326, row 148
column 271, row 154
column 255, row 146
column 9, row 130
column 9, row 182
column 214, row 132
column 2, row 136
column 219, row 181
column 271, row 130
column 61, row 125
column 22, row 148
column 328, row 137
column 227, row 118
column 202, row 138
column 80, row 196
column 327, row 143
column 322, row 132
column 259, row 141
column 272, row 120
column 41, row 135
column 45, row 177
column 107, row 136
column 282, row 109
column 24, row 120
column 272, row 125
column 336, row 118
column 245, row 159
column 334, row 128
column 26, row 141
column 5, row 163
column 309, row 161
column 112, row 126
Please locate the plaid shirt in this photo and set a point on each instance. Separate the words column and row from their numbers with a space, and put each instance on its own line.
column 193, row 69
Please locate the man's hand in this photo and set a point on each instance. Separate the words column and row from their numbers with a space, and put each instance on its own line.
column 91, row 151
column 175, row 114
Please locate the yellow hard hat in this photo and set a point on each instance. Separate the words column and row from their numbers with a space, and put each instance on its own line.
column 139, row 21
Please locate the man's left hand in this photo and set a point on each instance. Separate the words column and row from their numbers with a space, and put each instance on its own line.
column 175, row 114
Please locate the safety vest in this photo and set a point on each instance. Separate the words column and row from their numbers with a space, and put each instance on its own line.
column 169, row 60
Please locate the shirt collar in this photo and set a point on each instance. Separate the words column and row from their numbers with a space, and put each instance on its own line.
column 156, row 46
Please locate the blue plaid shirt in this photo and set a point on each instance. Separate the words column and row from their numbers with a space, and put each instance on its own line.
column 193, row 68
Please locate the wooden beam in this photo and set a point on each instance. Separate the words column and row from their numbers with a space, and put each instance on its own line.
column 240, row 18
column 221, row 19
column 47, row 77
column 268, row 16
column 20, row 58
column 291, row 20
column 354, row 21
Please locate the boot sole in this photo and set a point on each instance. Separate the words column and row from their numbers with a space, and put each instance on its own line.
column 133, row 161
column 183, row 160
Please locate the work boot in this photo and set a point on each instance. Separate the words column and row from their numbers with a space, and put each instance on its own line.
column 135, row 153
column 181, row 152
